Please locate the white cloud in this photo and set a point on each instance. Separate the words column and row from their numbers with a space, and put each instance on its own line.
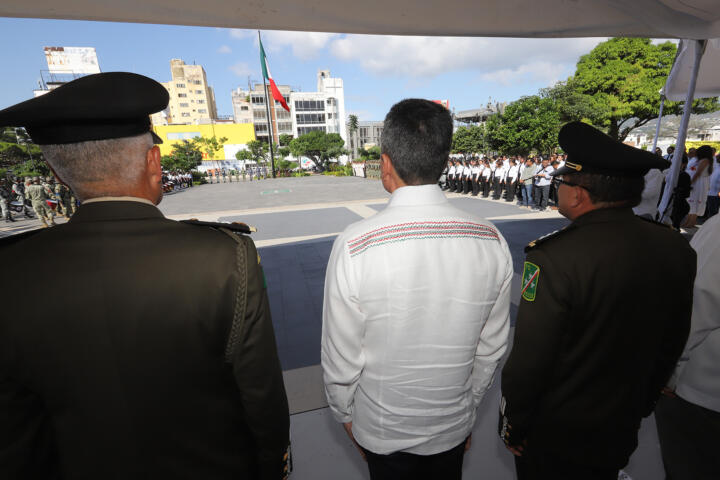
column 240, row 33
column 241, row 69
column 224, row 49
column 545, row 72
column 304, row 45
column 432, row 56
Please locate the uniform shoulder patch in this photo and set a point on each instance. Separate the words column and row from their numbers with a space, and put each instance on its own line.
column 547, row 237
column 237, row 227
column 530, row 279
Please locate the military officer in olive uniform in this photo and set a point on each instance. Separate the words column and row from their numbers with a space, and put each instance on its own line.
column 597, row 333
column 62, row 195
column 138, row 366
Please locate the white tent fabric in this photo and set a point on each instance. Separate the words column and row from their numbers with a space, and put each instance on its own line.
column 695, row 19
column 708, row 81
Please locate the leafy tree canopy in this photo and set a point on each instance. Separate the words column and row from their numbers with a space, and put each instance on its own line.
column 256, row 151
column 469, row 140
column 319, row 146
column 285, row 139
column 621, row 78
column 186, row 156
column 211, row 145
column 531, row 123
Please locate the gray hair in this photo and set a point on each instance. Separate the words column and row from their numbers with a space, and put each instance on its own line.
column 100, row 167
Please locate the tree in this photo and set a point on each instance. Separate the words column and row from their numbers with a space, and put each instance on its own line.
column 319, row 146
column 186, row 156
column 353, row 128
column 372, row 153
column 285, row 139
column 531, row 123
column 572, row 105
column 622, row 77
column 211, row 145
column 256, row 151
column 468, row 140
column 19, row 154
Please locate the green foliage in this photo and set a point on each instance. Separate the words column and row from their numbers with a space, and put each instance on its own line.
column 372, row 153
column 621, row 79
column 256, row 151
column 185, row 157
column 285, row 139
column 32, row 168
column 469, row 140
column 285, row 165
column 570, row 103
column 210, row 145
column 20, row 158
column 283, row 152
column 319, row 146
column 531, row 123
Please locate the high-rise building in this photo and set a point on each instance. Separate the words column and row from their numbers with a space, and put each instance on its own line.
column 321, row 110
column 66, row 64
column 192, row 100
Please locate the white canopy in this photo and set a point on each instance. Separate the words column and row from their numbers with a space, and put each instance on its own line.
column 708, row 81
column 694, row 19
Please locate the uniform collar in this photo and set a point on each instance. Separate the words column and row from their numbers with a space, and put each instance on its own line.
column 604, row 215
column 417, row 195
column 99, row 211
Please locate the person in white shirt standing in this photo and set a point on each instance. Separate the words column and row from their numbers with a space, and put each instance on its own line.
column 412, row 337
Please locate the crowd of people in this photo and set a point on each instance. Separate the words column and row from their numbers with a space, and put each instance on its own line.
column 174, row 181
column 251, row 172
column 527, row 179
column 44, row 196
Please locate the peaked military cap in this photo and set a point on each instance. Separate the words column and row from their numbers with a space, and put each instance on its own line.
column 589, row 150
column 94, row 107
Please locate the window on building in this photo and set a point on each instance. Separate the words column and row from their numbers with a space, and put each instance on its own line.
column 304, row 130
column 199, row 92
column 182, row 95
column 244, row 107
column 309, row 105
column 257, row 99
column 309, row 118
column 260, row 127
column 285, row 127
column 185, row 114
column 201, row 101
column 363, row 131
column 202, row 110
column 197, row 82
column 184, row 105
column 183, row 135
column 180, row 85
column 259, row 114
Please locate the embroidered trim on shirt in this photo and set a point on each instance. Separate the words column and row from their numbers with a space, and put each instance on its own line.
column 418, row 231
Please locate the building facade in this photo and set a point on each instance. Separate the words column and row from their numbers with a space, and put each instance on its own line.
column 192, row 100
column 321, row 110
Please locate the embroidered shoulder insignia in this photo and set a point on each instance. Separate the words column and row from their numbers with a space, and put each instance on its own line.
column 530, row 279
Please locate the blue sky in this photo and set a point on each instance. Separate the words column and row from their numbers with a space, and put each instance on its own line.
column 377, row 70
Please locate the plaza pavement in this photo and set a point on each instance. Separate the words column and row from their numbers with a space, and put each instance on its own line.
column 297, row 220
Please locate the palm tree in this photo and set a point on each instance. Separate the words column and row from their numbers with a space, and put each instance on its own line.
column 353, row 127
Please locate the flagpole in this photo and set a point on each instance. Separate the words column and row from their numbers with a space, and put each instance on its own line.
column 269, row 121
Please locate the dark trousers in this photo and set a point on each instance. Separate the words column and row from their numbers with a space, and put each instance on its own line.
column 543, row 467
column 466, row 185
column 486, row 187
column 713, row 205
column 688, row 436
column 475, row 188
column 541, row 198
column 510, row 191
column 408, row 466
column 498, row 189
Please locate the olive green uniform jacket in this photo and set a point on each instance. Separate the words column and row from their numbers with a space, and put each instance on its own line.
column 154, row 358
column 604, row 316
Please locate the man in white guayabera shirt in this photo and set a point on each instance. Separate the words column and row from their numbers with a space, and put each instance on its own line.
column 413, row 332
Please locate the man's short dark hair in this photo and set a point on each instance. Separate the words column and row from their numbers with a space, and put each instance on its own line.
column 417, row 135
column 624, row 191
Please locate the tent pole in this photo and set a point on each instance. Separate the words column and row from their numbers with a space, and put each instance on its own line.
column 672, row 179
column 657, row 129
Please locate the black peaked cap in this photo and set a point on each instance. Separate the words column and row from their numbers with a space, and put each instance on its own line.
column 94, row 107
column 589, row 150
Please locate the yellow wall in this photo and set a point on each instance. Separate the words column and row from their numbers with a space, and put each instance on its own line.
column 236, row 134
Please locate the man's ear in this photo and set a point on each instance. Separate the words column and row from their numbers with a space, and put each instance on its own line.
column 154, row 167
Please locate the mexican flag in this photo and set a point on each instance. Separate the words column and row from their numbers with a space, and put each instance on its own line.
column 266, row 73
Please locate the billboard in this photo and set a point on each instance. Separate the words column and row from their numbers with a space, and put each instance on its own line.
column 81, row 60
